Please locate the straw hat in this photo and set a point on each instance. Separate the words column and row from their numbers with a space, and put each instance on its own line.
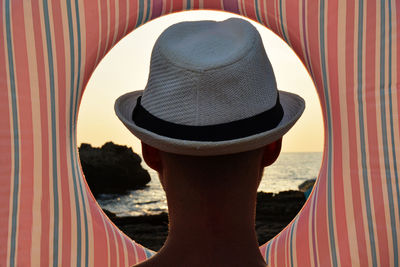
column 211, row 91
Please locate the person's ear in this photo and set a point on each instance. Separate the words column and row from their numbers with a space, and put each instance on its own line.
column 271, row 152
column 152, row 157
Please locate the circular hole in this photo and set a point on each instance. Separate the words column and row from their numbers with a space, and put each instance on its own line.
column 125, row 68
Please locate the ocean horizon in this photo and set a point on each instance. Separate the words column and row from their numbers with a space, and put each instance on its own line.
column 287, row 173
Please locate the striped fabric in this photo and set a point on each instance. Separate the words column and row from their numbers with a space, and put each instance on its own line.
column 49, row 49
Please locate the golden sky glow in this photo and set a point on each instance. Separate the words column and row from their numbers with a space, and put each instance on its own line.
column 125, row 68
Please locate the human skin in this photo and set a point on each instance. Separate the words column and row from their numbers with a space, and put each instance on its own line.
column 211, row 206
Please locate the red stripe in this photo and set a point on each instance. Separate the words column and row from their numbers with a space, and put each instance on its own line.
column 99, row 235
column 5, row 147
column 263, row 15
column 342, row 242
column 281, row 253
column 21, row 67
column 396, row 70
column 178, row 5
column 103, row 18
column 271, row 16
column 302, row 236
column 92, row 40
column 212, row 4
column 196, row 4
column 353, row 133
column 62, row 113
column 113, row 244
column 372, row 128
column 112, row 23
column 120, row 247
column 293, row 23
column 263, row 249
column 133, row 6
column 322, row 230
column 141, row 253
column 288, row 230
column 250, row 10
column 271, row 260
column 131, row 252
column 121, row 19
column 277, row 16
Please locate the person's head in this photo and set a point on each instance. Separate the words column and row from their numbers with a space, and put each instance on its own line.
column 211, row 91
column 159, row 160
column 210, row 119
column 217, row 172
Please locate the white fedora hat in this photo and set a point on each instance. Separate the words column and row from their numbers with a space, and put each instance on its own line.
column 211, row 91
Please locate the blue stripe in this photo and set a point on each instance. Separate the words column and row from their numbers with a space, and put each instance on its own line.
column 267, row 252
column 362, row 135
column 148, row 253
column 53, row 133
column 188, row 4
column 71, row 135
column 77, row 90
column 291, row 240
column 257, row 11
column 14, row 211
column 329, row 125
column 281, row 19
column 384, row 126
column 396, row 251
column 147, row 11
column 140, row 15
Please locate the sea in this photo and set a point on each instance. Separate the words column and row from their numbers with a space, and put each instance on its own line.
column 287, row 173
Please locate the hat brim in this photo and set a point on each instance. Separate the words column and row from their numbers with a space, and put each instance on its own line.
column 292, row 104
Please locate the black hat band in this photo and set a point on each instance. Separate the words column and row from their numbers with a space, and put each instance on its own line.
column 256, row 124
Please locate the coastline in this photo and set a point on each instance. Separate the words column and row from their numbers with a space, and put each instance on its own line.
column 273, row 213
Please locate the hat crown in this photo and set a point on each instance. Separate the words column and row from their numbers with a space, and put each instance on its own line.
column 207, row 73
column 205, row 45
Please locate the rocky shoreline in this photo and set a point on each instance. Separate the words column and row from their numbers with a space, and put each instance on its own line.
column 274, row 212
column 112, row 168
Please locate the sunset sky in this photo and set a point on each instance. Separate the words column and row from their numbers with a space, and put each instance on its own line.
column 125, row 68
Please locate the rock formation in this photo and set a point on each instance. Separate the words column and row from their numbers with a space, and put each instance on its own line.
column 112, row 168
